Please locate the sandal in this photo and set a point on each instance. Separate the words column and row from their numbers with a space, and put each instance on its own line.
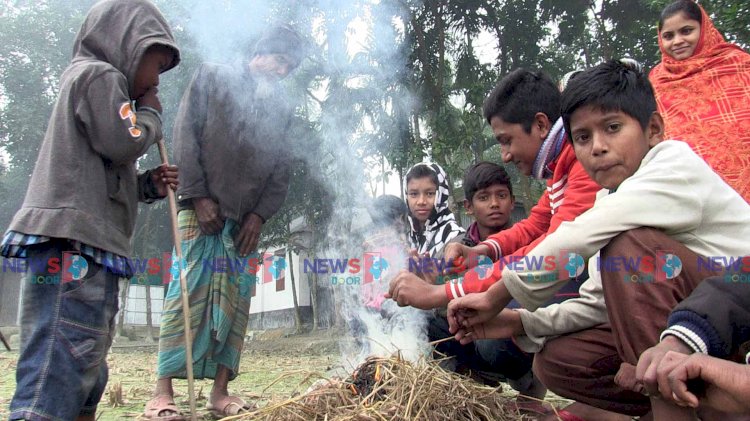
column 234, row 406
column 564, row 415
column 160, row 404
column 532, row 407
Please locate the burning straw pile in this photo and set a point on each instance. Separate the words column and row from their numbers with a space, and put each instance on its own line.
column 393, row 389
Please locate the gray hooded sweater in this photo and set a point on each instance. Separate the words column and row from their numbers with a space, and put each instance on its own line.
column 85, row 186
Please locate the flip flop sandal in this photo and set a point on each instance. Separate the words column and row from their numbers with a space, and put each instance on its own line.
column 160, row 404
column 236, row 406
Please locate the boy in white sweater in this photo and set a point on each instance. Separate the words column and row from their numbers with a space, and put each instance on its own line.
column 662, row 221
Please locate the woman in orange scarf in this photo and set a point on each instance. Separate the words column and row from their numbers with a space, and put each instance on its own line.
column 702, row 88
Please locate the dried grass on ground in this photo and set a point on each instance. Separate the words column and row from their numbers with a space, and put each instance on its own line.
column 393, row 389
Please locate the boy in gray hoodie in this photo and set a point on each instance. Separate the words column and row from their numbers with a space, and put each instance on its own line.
column 76, row 223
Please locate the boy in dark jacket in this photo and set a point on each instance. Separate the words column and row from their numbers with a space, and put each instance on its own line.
column 489, row 199
column 712, row 325
column 79, row 212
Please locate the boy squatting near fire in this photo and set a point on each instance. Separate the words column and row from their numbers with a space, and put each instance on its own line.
column 83, row 197
column 659, row 198
column 232, row 144
column 489, row 199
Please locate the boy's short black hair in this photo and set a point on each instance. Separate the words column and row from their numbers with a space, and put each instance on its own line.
column 520, row 95
column 688, row 7
column 420, row 171
column 482, row 175
column 387, row 210
column 610, row 86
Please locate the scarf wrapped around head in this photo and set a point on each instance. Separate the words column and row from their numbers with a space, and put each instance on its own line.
column 441, row 225
column 549, row 151
column 705, row 101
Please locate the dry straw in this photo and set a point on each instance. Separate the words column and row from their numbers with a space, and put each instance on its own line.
column 384, row 389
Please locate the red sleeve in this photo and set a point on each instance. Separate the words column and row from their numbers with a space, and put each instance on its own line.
column 523, row 232
column 474, row 280
column 579, row 197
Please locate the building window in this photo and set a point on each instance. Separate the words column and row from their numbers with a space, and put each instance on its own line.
column 281, row 280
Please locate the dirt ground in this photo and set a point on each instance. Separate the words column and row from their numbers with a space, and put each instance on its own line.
column 274, row 367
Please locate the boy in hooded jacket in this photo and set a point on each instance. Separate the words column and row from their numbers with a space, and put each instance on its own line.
column 79, row 212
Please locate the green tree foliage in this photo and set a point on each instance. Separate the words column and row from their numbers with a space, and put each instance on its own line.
column 413, row 88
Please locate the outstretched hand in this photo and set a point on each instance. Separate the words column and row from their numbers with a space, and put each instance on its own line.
column 459, row 258
column 505, row 325
column 407, row 289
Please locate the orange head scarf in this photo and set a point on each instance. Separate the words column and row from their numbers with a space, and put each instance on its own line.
column 705, row 101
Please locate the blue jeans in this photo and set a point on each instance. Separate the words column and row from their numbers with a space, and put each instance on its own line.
column 66, row 331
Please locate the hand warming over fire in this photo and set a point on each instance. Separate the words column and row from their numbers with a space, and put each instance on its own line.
column 427, row 269
column 462, row 258
column 505, row 325
column 471, row 310
column 408, row 289
column 163, row 176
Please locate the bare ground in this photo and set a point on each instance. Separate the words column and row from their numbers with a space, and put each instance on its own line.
column 274, row 366
column 133, row 374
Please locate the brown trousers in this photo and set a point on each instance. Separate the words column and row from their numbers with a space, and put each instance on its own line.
column 582, row 365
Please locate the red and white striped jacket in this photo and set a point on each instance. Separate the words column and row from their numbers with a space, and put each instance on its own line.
column 570, row 192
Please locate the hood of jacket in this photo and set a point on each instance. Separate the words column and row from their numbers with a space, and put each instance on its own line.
column 120, row 31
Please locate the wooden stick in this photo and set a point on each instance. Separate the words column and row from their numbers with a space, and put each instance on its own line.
column 439, row 341
column 183, row 287
column 2, row 339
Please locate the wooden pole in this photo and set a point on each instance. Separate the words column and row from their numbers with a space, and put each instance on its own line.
column 183, row 287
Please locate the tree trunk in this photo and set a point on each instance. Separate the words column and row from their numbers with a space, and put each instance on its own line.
column 401, row 182
column 297, row 315
column 312, row 281
column 382, row 170
column 124, row 287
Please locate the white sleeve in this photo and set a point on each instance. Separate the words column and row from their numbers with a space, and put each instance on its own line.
column 663, row 194
column 570, row 316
